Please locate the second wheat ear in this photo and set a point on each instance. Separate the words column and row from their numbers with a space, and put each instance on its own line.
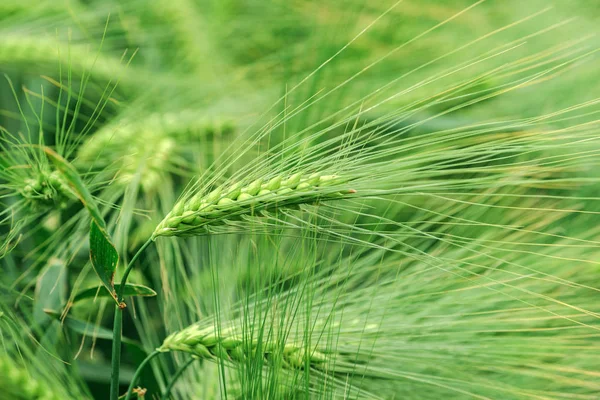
column 195, row 214
column 206, row 344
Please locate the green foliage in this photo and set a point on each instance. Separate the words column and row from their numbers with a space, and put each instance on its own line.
column 101, row 291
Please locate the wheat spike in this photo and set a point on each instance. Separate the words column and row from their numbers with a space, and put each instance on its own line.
column 225, row 346
column 149, row 146
column 46, row 189
column 192, row 216
column 47, row 54
column 141, row 131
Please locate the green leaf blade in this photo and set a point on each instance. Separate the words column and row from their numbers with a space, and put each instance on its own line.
column 87, row 329
column 104, row 257
column 131, row 289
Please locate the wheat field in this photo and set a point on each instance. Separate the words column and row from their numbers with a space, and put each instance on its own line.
column 332, row 199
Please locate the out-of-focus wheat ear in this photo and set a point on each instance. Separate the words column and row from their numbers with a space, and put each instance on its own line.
column 39, row 53
column 150, row 146
column 183, row 126
column 17, row 383
column 46, row 189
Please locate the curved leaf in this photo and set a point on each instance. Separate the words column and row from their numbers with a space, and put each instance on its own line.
column 88, row 329
column 104, row 257
column 131, row 289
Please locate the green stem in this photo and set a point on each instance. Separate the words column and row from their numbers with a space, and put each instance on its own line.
column 167, row 392
column 118, row 328
column 116, row 353
column 138, row 372
column 129, row 268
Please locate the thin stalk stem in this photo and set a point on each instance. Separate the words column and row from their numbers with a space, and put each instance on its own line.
column 138, row 372
column 118, row 328
column 178, row 373
column 116, row 353
column 129, row 268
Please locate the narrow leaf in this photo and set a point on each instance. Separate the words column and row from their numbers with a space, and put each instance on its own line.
column 100, row 291
column 88, row 329
column 100, row 373
column 50, row 289
column 104, row 257
column 82, row 327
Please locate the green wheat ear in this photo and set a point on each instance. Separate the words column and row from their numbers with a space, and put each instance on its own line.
column 49, row 55
column 148, row 146
column 142, row 130
column 193, row 216
column 46, row 189
column 226, row 346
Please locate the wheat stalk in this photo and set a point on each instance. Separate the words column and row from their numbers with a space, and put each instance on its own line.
column 194, row 215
